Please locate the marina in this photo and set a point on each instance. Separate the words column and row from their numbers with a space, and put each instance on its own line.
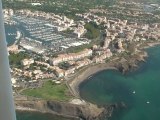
column 42, row 36
column 122, row 96
column 11, row 34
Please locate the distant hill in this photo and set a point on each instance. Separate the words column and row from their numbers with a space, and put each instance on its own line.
column 152, row 1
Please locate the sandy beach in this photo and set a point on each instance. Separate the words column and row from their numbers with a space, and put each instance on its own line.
column 74, row 82
column 86, row 73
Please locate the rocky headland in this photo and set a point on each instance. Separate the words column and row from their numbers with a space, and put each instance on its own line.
column 84, row 110
column 123, row 63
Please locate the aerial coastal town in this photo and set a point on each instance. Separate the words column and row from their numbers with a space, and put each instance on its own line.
column 55, row 47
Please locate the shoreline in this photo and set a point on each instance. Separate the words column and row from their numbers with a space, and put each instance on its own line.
column 88, row 110
column 86, row 74
column 20, row 108
column 68, row 110
column 150, row 44
column 28, row 109
column 75, row 82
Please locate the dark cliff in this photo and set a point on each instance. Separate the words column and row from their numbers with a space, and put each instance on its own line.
column 79, row 112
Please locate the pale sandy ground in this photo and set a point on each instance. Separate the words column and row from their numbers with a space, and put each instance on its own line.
column 25, row 108
column 76, row 80
column 78, row 102
column 86, row 73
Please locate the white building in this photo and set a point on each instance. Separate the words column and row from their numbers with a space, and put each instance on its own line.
column 80, row 31
column 71, row 56
column 26, row 62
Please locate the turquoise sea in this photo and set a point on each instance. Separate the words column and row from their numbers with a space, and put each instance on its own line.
column 10, row 31
column 134, row 89
column 139, row 90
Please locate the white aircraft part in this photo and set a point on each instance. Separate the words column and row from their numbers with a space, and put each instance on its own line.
column 7, row 111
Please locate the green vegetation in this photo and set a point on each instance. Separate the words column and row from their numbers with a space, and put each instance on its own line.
column 92, row 30
column 78, row 48
column 64, row 65
column 66, row 7
column 70, row 8
column 68, row 31
column 15, row 59
column 50, row 91
column 153, row 1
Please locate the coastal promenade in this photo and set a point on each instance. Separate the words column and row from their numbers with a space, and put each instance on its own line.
column 115, row 63
column 84, row 74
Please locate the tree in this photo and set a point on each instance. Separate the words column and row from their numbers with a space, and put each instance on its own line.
column 92, row 30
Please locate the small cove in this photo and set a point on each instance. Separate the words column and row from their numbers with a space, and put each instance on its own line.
column 139, row 90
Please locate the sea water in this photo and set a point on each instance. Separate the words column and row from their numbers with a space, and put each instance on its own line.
column 139, row 90
column 11, row 33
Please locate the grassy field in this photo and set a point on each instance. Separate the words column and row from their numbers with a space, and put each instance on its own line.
column 50, row 91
